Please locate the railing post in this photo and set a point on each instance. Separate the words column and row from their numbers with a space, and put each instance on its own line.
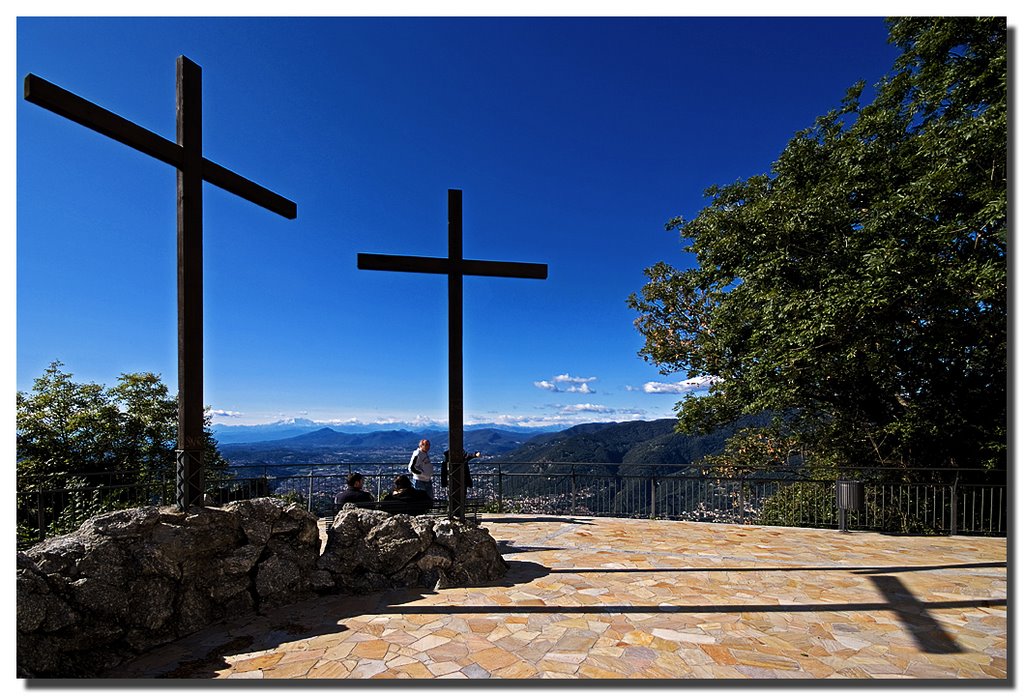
column 500, row 510
column 654, row 485
column 953, row 510
column 41, row 516
column 309, row 497
column 572, row 506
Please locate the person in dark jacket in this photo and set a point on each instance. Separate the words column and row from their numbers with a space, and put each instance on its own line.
column 354, row 493
column 417, row 500
column 404, row 490
column 446, row 468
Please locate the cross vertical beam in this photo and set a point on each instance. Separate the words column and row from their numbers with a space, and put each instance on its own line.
column 190, row 285
column 186, row 155
column 456, row 458
column 455, row 267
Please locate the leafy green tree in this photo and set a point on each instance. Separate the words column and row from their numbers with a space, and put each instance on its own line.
column 148, row 418
column 858, row 289
column 67, row 427
column 63, row 426
column 101, row 448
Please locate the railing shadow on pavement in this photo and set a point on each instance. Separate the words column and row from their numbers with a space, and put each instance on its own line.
column 856, row 570
column 509, row 548
column 561, row 519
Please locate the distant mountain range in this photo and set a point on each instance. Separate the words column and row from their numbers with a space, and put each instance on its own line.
column 230, row 434
column 622, row 444
column 487, row 438
column 629, row 468
column 633, row 442
column 326, row 445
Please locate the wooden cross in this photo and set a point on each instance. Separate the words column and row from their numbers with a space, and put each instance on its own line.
column 187, row 156
column 455, row 267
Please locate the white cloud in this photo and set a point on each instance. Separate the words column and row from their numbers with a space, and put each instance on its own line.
column 418, row 421
column 687, row 385
column 575, row 380
column 577, row 385
column 226, row 414
column 426, row 421
column 664, row 388
column 564, row 416
column 586, row 408
column 522, row 421
column 581, row 389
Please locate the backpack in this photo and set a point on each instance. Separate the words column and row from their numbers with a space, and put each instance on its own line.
column 413, row 469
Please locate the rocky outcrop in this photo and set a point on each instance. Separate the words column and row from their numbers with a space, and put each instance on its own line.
column 130, row 580
column 371, row 550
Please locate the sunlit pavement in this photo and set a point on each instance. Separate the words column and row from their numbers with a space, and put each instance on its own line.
column 607, row 598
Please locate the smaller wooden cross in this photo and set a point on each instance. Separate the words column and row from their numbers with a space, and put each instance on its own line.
column 455, row 267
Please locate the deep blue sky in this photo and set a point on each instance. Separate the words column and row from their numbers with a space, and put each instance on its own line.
column 573, row 140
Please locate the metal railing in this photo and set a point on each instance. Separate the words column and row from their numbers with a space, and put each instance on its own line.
column 917, row 501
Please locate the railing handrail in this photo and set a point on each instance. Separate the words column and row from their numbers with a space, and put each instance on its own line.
column 783, row 467
column 379, row 463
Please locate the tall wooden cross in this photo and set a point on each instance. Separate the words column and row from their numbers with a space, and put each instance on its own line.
column 455, row 267
column 193, row 169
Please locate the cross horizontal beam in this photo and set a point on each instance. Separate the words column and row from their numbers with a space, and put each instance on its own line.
column 44, row 93
column 430, row 264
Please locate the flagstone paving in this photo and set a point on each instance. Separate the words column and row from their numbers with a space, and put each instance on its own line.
column 607, row 598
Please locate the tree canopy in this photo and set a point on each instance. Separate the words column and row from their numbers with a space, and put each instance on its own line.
column 858, row 290
column 65, row 427
column 83, row 449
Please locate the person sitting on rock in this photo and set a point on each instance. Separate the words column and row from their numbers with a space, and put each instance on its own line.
column 403, row 490
column 418, row 500
column 354, row 493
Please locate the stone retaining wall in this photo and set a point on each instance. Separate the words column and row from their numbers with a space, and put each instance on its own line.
column 130, row 580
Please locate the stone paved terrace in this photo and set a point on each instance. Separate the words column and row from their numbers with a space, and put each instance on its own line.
column 606, row 598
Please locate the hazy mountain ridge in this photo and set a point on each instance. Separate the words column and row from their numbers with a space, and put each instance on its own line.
column 629, row 443
column 328, row 437
column 325, row 445
column 592, row 442
column 266, row 432
column 627, row 453
column 630, row 447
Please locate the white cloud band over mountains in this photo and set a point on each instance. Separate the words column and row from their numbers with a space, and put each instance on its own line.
column 551, row 414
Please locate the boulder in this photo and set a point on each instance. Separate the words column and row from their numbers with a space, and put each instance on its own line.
column 368, row 550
